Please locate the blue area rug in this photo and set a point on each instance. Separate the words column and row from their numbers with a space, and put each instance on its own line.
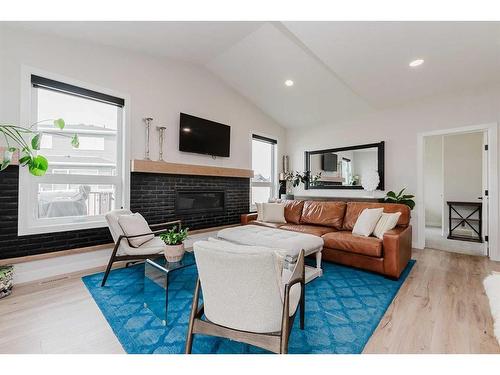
column 343, row 308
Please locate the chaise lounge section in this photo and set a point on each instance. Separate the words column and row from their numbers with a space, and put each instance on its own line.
column 334, row 221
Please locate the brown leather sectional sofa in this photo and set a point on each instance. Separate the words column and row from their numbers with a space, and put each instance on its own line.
column 334, row 221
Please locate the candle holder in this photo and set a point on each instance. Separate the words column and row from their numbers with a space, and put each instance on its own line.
column 161, row 131
column 147, row 121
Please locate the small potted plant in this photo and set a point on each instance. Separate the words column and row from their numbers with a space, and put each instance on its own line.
column 173, row 238
column 401, row 198
column 6, row 273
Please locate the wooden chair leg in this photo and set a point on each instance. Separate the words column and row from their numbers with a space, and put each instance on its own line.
column 192, row 317
column 110, row 264
column 302, row 306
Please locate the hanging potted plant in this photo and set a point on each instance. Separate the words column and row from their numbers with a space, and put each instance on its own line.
column 174, row 241
column 26, row 141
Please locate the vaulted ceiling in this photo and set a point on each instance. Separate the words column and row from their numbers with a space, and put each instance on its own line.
column 339, row 69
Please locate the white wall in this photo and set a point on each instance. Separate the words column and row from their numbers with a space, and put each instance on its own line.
column 398, row 127
column 158, row 88
column 433, row 177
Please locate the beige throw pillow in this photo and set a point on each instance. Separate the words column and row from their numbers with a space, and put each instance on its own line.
column 385, row 223
column 367, row 221
column 259, row 211
column 273, row 213
column 133, row 225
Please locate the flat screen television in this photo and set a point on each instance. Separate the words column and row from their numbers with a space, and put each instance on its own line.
column 329, row 162
column 203, row 136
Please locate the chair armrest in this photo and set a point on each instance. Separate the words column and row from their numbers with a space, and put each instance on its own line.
column 247, row 218
column 397, row 250
column 153, row 231
column 179, row 222
column 298, row 273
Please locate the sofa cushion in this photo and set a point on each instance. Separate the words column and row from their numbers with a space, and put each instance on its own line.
column 346, row 241
column 266, row 224
column 293, row 210
column 354, row 209
column 328, row 214
column 316, row 230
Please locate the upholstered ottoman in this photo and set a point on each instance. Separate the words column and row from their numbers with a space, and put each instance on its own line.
column 291, row 242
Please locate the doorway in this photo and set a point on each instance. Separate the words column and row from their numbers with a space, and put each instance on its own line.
column 457, row 172
column 454, row 192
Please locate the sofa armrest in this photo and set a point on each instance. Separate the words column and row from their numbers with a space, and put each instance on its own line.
column 397, row 250
column 247, row 218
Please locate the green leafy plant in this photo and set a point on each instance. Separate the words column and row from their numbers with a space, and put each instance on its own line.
column 174, row 236
column 407, row 199
column 27, row 140
column 301, row 177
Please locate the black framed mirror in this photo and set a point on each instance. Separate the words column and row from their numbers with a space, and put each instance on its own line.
column 343, row 167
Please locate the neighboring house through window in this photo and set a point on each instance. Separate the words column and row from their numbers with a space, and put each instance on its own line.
column 263, row 184
column 81, row 184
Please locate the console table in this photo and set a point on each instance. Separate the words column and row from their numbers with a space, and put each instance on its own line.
column 468, row 214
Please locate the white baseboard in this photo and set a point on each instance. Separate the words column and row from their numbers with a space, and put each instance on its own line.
column 60, row 265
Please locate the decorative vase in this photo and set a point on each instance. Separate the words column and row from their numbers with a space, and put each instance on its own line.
column 6, row 273
column 174, row 253
column 161, row 131
column 370, row 181
column 147, row 121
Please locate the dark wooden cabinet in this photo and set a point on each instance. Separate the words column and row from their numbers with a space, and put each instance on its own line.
column 465, row 217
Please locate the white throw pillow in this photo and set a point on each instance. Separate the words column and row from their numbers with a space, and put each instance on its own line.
column 367, row 221
column 259, row 211
column 273, row 213
column 385, row 223
column 133, row 225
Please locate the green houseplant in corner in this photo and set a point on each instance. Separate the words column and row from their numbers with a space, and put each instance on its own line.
column 392, row 197
column 174, row 241
column 26, row 141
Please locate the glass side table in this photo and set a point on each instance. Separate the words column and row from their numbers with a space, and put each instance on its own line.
column 157, row 273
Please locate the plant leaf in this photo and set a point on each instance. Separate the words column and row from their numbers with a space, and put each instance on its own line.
column 408, row 196
column 59, row 123
column 7, row 155
column 24, row 160
column 75, row 142
column 401, row 192
column 391, row 194
column 38, row 165
column 36, row 140
column 409, row 203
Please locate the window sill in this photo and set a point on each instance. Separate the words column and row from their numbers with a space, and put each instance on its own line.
column 26, row 230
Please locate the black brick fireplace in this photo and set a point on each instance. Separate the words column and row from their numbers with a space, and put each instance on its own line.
column 215, row 200
column 153, row 195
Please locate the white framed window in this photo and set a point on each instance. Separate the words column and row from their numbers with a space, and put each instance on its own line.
column 81, row 184
column 263, row 185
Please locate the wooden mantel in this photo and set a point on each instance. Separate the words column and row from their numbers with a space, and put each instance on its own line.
column 149, row 166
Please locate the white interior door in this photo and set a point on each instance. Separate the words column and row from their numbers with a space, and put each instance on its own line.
column 485, row 197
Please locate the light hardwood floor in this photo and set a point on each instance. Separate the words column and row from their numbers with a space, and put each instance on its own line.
column 441, row 308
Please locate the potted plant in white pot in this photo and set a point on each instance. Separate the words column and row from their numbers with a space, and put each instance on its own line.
column 174, row 241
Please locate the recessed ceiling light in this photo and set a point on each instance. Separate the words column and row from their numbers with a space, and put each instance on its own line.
column 416, row 63
column 288, row 82
column 186, row 130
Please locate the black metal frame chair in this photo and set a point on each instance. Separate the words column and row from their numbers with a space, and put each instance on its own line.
column 117, row 258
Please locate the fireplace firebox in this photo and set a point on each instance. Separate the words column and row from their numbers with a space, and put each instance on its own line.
column 196, row 201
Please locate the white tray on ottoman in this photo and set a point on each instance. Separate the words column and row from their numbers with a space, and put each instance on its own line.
column 291, row 242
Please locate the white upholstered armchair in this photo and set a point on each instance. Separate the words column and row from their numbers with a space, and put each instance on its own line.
column 133, row 240
column 247, row 295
